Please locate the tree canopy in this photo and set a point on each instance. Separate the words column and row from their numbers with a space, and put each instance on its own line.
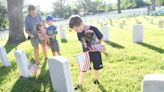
column 84, row 7
column 3, row 15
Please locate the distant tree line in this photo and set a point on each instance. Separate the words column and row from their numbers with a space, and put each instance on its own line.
column 61, row 8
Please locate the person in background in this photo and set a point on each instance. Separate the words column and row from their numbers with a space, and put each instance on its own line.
column 31, row 20
column 51, row 33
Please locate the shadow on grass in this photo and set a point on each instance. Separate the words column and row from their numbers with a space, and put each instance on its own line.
column 4, row 71
column 115, row 45
column 149, row 46
column 40, row 84
column 10, row 46
column 81, row 90
column 102, row 88
column 64, row 41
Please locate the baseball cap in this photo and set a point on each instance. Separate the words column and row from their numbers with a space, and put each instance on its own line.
column 48, row 18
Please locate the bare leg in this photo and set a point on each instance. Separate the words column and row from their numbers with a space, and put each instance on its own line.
column 81, row 77
column 44, row 50
column 53, row 53
column 96, row 74
column 36, row 54
column 56, row 53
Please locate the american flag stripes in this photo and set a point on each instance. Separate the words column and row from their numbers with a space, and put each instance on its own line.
column 84, row 61
column 33, row 68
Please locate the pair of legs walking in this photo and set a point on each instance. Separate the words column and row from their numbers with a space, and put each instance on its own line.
column 82, row 74
column 36, row 52
column 54, row 47
column 95, row 58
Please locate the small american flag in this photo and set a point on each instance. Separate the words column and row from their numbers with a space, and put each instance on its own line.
column 33, row 67
column 84, row 61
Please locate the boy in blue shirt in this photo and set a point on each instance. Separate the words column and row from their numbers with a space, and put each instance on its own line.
column 76, row 23
column 51, row 33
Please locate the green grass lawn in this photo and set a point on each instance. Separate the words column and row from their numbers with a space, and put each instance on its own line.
column 123, row 71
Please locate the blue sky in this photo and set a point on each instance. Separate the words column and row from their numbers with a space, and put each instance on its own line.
column 46, row 5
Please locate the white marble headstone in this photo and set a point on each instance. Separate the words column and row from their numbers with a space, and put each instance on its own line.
column 22, row 63
column 161, row 24
column 105, row 32
column 121, row 26
column 3, row 57
column 138, row 33
column 62, row 33
column 60, row 74
column 153, row 83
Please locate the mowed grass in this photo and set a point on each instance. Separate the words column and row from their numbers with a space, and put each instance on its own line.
column 123, row 71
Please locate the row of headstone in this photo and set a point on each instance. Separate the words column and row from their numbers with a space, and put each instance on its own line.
column 138, row 33
column 58, row 68
column 21, row 60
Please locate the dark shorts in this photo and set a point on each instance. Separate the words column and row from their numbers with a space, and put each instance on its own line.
column 55, row 46
column 96, row 59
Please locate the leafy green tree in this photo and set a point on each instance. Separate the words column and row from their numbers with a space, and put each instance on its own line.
column 160, row 2
column 59, row 8
column 139, row 3
column 126, row 4
column 3, row 14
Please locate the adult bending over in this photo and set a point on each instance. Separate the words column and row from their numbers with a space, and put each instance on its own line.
column 31, row 20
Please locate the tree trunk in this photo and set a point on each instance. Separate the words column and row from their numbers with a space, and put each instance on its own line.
column 15, row 15
column 119, row 6
column 153, row 5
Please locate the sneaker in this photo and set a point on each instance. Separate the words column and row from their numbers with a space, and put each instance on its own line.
column 96, row 82
column 77, row 87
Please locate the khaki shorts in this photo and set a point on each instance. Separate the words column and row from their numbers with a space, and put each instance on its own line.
column 35, row 42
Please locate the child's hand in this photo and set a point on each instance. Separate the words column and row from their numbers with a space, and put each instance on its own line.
column 91, row 50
